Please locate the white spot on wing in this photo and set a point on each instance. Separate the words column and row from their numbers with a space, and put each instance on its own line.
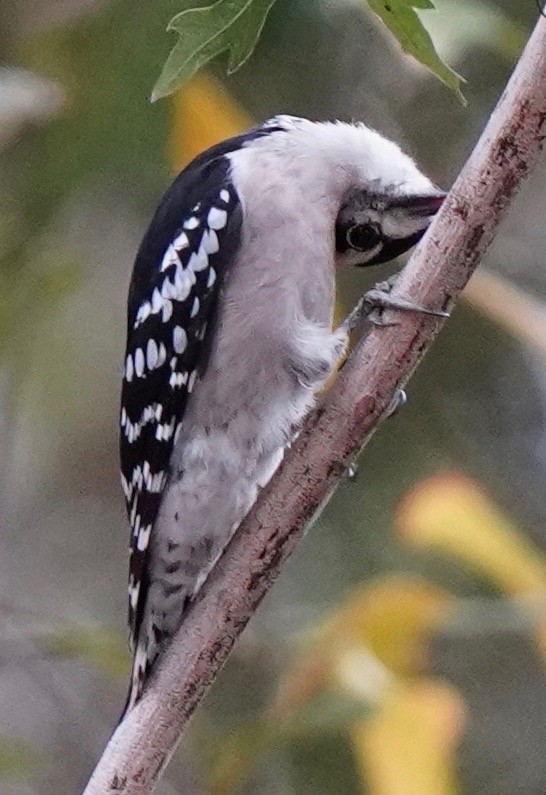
column 158, row 481
column 134, row 590
column 178, row 379
column 152, row 354
column 224, row 195
column 180, row 339
column 157, row 301
column 211, row 279
column 132, row 518
column 169, row 258
column 143, row 312
column 167, row 310
column 150, row 413
column 209, row 242
column 195, row 307
column 182, row 283
column 164, row 432
column 191, row 380
column 191, row 223
column 181, row 241
column 168, row 290
column 199, row 261
column 144, row 537
column 127, row 488
column 129, row 368
column 216, row 218
column 139, row 667
column 139, row 362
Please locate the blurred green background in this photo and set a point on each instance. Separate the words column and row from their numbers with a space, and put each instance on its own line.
column 402, row 651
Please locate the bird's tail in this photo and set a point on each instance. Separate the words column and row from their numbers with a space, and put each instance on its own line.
column 139, row 674
column 186, row 566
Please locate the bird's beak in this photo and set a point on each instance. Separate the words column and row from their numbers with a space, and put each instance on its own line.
column 405, row 224
column 421, row 205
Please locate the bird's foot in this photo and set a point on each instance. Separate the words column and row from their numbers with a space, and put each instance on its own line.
column 371, row 306
column 399, row 401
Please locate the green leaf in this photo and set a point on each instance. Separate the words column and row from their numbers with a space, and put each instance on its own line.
column 401, row 19
column 205, row 32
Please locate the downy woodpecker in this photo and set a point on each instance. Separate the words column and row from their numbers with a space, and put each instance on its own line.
column 230, row 336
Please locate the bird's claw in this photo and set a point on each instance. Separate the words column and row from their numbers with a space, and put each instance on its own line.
column 373, row 302
column 399, row 401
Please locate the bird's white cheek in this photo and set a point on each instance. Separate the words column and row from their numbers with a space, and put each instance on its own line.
column 402, row 226
column 352, row 257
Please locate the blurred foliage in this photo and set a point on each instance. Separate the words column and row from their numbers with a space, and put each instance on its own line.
column 236, row 25
column 408, row 745
column 44, row 170
column 194, row 105
column 104, row 650
column 512, row 308
column 452, row 515
column 375, row 650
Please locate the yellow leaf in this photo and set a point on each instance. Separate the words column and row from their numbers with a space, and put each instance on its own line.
column 392, row 617
column 407, row 745
column 390, row 620
column 361, row 674
column 203, row 115
column 452, row 515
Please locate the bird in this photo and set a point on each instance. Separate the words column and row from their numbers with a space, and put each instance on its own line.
column 230, row 337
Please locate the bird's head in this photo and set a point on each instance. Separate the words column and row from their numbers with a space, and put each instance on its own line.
column 376, row 226
column 384, row 202
column 389, row 204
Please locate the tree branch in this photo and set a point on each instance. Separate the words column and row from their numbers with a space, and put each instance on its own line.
column 344, row 422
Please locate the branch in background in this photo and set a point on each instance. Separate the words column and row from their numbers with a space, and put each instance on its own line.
column 435, row 275
column 511, row 307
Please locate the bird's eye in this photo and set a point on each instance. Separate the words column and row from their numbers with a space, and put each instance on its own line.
column 363, row 237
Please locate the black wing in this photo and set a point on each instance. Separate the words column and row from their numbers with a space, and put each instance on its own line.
column 179, row 267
